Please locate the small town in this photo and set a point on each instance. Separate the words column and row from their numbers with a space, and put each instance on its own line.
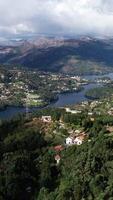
column 34, row 88
column 20, row 87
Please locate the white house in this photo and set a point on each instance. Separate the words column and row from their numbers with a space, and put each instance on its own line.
column 90, row 113
column 68, row 110
column 69, row 141
column 77, row 141
column 46, row 119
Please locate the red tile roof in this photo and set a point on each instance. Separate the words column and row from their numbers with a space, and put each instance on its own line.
column 58, row 148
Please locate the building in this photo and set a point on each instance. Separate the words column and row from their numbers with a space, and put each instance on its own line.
column 58, row 148
column 68, row 110
column 90, row 113
column 46, row 119
column 110, row 112
column 92, row 119
column 57, row 159
column 78, row 140
column 69, row 141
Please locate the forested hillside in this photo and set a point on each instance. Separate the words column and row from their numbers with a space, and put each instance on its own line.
column 28, row 170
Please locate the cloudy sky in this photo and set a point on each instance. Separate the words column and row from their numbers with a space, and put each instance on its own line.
column 69, row 17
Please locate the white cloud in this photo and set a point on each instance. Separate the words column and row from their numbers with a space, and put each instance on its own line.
column 56, row 16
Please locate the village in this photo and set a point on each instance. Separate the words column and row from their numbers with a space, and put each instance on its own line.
column 20, row 87
column 76, row 137
column 66, row 134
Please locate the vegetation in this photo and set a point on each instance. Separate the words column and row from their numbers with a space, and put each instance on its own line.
column 72, row 56
column 28, row 170
column 20, row 87
column 99, row 93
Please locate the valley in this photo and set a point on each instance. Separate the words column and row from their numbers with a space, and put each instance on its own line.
column 54, row 116
column 56, row 100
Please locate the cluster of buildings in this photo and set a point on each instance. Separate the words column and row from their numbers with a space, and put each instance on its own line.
column 4, row 92
column 105, row 81
column 75, row 140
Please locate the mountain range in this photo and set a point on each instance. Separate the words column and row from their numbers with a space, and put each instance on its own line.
column 79, row 56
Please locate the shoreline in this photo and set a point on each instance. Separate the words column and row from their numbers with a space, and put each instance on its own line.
column 46, row 104
column 73, row 97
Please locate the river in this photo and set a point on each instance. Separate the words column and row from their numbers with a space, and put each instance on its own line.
column 64, row 99
column 73, row 98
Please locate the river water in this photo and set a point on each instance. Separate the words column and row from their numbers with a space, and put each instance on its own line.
column 64, row 99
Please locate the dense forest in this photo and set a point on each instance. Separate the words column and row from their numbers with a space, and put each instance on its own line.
column 28, row 170
column 99, row 92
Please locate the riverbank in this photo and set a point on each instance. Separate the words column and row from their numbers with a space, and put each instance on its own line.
column 63, row 100
column 45, row 104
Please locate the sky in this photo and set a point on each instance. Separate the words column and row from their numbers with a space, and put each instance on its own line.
column 59, row 17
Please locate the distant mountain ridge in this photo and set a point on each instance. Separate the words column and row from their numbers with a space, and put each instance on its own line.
column 59, row 55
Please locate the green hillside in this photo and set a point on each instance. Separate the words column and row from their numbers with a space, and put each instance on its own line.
column 28, row 170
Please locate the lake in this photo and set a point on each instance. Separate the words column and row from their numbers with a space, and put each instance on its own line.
column 65, row 99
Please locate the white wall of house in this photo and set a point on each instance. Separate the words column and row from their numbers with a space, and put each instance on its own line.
column 69, row 141
column 46, row 118
column 77, row 141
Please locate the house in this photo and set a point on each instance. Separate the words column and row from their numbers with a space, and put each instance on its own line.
column 92, row 119
column 46, row 119
column 68, row 110
column 110, row 112
column 110, row 129
column 57, row 159
column 90, row 113
column 58, row 148
column 69, row 141
column 77, row 141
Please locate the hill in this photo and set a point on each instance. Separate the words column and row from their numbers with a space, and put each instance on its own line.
column 28, row 153
column 79, row 56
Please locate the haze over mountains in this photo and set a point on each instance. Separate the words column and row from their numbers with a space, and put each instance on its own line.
column 58, row 54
